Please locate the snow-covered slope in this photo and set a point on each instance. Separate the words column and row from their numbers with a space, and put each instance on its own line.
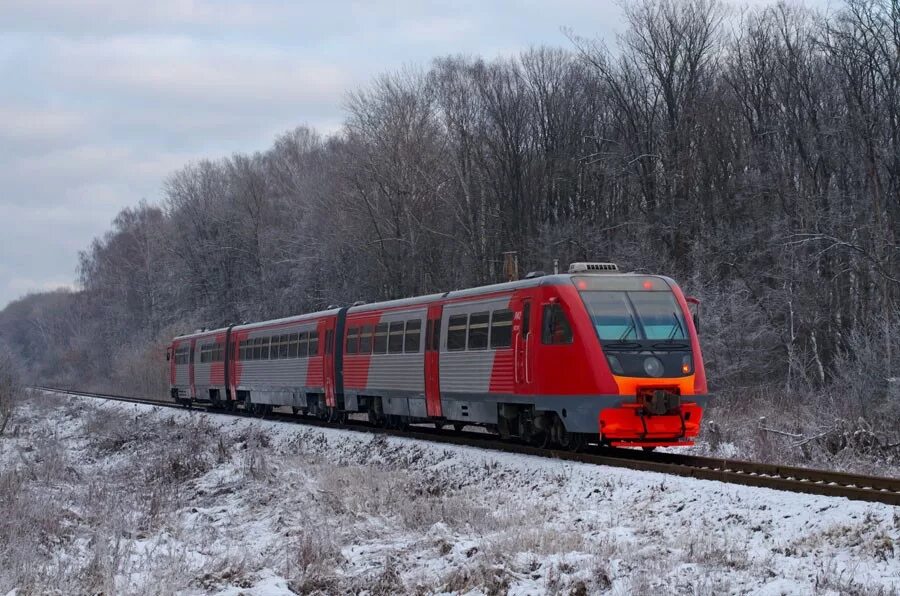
column 144, row 499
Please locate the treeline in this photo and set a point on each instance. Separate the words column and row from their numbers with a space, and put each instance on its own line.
column 755, row 157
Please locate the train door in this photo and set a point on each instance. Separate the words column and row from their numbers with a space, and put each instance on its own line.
column 191, row 369
column 170, row 357
column 432, row 361
column 326, row 330
column 523, row 342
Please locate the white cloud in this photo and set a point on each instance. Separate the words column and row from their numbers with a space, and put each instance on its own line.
column 165, row 67
column 31, row 124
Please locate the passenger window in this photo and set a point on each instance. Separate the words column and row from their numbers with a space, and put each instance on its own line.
column 478, row 330
column 294, row 345
column 456, row 333
column 284, row 347
column 353, row 340
column 380, row 343
column 365, row 340
column 556, row 328
column 395, row 339
column 413, row 336
column 302, row 346
column 501, row 328
column 313, row 343
column 266, row 345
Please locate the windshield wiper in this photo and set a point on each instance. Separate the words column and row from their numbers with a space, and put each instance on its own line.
column 669, row 345
column 676, row 327
column 628, row 330
column 621, row 345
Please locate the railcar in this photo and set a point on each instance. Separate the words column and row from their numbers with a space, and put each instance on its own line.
column 593, row 355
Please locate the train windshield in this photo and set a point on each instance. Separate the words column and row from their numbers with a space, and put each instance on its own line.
column 635, row 315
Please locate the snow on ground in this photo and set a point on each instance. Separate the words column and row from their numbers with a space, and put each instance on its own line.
column 121, row 498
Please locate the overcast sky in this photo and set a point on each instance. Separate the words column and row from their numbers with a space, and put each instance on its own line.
column 101, row 99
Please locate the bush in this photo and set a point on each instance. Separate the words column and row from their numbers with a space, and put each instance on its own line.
column 10, row 385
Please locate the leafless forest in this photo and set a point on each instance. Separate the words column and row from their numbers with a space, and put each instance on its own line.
column 754, row 156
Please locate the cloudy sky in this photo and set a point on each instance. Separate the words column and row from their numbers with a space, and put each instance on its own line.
column 101, row 99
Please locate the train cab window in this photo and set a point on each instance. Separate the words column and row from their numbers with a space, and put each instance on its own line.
column 379, row 345
column 556, row 328
column 478, row 330
column 501, row 328
column 181, row 355
column 395, row 338
column 365, row 339
column 313, row 343
column 413, row 337
column 456, row 332
column 303, row 345
column 353, row 340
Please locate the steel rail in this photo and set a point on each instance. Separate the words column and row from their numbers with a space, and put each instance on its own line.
column 787, row 478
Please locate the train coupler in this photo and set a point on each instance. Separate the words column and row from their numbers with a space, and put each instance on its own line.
column 659, row 401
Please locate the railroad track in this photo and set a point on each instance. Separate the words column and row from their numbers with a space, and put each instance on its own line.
column 787, row 478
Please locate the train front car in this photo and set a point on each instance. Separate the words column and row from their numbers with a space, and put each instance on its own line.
column 647, row 339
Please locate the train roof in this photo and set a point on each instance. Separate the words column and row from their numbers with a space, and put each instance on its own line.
column 543, row 280
column 270, row 322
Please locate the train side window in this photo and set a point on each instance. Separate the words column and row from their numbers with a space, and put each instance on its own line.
column 478, row 330
column 302, row 345
column 293, row 345
column 501, row 328
column 395, row 338
column 380, row 343
column 456, row 333
column 218, row 353
column 413, row 338
column 273, row 347
column 353, row 340
column 285, row 347
column 556, row 329
column 313, row 343
column 365, row 339
column 267, row 348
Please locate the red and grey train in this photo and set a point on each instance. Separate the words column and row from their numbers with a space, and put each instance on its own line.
column 593, row 355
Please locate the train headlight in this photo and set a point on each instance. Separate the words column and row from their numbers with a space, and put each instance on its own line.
column 687, row 365
column 615, row 365
column 653, row 367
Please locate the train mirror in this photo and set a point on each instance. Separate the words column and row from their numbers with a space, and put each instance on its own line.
column 694, row 307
